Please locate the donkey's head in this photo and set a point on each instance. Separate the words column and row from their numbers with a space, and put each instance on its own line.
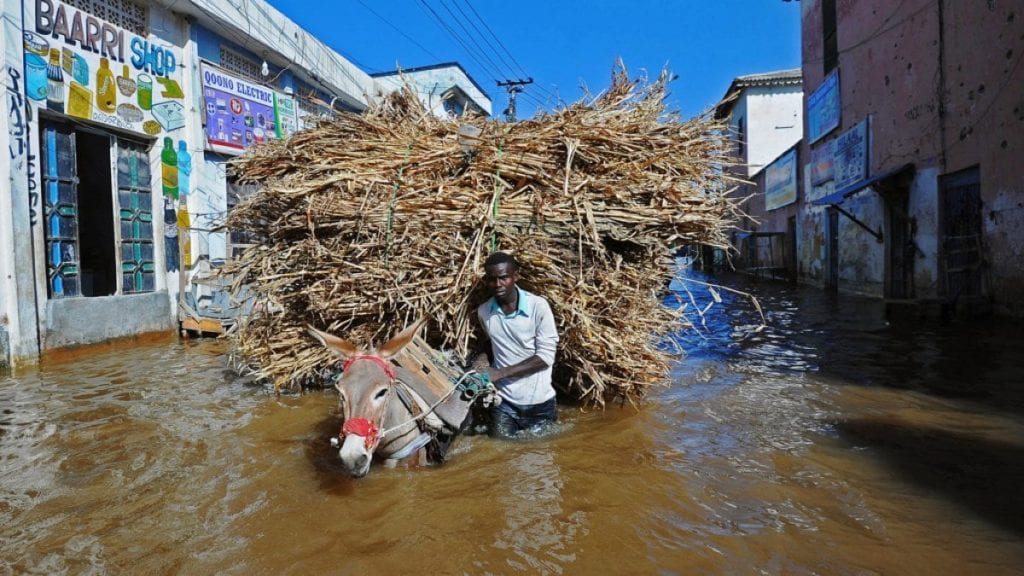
column 366, row 388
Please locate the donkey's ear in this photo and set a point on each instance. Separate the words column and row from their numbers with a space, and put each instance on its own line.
column 342, row 348
column 400, row 340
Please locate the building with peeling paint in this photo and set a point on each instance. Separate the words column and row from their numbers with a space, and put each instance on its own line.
column 912, row 187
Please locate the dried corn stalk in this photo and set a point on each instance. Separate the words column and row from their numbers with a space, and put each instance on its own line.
column 371, row 220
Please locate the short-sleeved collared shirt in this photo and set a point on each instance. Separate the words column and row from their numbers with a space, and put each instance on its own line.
column 527, row 331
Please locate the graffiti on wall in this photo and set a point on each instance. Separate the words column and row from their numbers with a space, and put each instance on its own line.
column 19, row 147
column 79, row 65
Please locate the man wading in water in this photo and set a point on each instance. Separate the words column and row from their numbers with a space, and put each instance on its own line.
column 523, row 339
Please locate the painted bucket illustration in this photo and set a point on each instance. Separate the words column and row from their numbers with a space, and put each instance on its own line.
column 35, row 76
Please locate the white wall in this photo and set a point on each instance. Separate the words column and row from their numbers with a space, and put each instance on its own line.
column 431, row 84
column 774, row 122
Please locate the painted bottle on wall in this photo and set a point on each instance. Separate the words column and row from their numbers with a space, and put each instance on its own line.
column 106, row 89
column 184, row 232
column 169, row 169
column 184, row 169
column 54, row 83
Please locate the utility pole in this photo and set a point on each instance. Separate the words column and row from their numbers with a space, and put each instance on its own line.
column 513, row 87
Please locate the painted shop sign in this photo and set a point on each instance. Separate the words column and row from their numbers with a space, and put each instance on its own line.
column 851, row 155
column 82, row 66
column 823, row 108
column 780, row 181
column 240, row 113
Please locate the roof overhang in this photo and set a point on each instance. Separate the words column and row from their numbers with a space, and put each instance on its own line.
column 893, row 180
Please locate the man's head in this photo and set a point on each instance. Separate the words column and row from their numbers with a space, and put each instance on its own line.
column 501, row 272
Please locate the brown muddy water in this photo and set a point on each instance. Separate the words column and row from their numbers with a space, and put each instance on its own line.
column 831, row 442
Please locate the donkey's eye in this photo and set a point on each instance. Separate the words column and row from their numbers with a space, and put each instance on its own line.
column 379, row 395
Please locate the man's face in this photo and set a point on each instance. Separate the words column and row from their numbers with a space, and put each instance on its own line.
column 501, row 279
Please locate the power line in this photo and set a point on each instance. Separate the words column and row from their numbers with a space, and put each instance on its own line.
column 470, row 37
column 404, row 35
column 493, row 35
column 447, row 29
column 522, row 71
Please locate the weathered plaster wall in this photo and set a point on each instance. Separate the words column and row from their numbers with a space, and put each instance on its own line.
column 75, row 321
column 984, row 90
column 923, row 205
column 20, row 209
column 888, row 72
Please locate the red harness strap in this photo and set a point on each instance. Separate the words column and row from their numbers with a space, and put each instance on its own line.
column 361, row 426
column 388, row 368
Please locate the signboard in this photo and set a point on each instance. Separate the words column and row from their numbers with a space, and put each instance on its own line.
column 851, row 155
column 240, row 113
column 823, row 108
column 83, row 66
column 822, row 166
column 780, row 181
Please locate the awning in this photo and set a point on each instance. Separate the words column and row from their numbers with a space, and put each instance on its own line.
column 898, row 177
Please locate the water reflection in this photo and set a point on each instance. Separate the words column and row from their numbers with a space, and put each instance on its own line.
column 831, row 440
column 538, row 532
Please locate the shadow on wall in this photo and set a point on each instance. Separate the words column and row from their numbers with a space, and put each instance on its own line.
column 983, row 475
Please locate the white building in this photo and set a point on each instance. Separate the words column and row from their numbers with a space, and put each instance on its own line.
column 765, row 113
column 445, row 89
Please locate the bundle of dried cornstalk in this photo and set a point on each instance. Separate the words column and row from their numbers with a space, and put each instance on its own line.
column 369, row 221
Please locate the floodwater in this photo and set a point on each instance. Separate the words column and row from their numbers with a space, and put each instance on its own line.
column 829, row 442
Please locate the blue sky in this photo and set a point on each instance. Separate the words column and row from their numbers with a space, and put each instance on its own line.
column 564, row 45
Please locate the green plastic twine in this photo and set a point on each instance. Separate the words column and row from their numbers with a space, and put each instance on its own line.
column 391, row 210
column 494, row 205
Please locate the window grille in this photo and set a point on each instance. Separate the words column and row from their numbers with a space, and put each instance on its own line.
column 307, row 106
column 135, row 207
column 122, row 13
column 60, row 209
column 239, row 65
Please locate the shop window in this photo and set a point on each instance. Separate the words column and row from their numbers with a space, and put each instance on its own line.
column 454, row 107
column 238, row 240
column 80, row 207
column 240, row 65
column 830, row 34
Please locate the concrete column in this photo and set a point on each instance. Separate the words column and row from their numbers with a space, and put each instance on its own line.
column 20, row 203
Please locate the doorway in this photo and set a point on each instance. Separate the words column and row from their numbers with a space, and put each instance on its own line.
column 96, row 215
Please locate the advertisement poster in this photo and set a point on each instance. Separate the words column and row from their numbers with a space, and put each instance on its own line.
column 851, row 156
column 287, row 116
column 240, row 113
column 780, row 181
column 823, row 108
column 82, row 66
column 822, row 165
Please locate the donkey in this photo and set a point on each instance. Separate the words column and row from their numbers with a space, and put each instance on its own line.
column 387, row 411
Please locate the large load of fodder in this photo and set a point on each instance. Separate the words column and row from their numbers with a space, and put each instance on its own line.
column 371, row 220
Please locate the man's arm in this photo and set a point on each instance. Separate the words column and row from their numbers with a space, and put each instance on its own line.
column 545, row 344
column 524, row 368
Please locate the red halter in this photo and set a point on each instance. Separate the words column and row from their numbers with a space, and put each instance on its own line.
column 384, row 364
column 362, row 426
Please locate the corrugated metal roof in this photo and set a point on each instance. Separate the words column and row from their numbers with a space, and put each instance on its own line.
column 791, row 77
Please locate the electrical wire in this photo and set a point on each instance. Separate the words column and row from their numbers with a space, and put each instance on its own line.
column 447, row 29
